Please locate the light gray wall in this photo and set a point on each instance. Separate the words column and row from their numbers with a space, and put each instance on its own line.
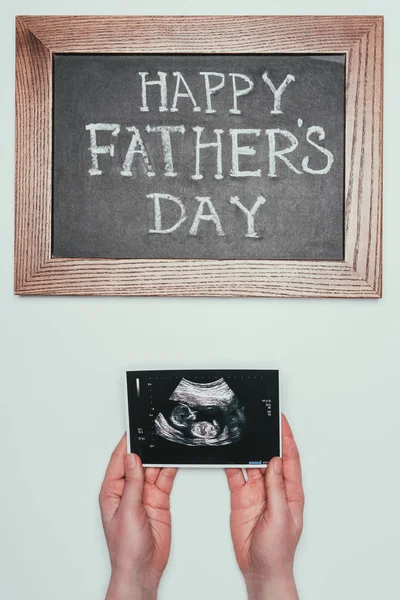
column 62, row 390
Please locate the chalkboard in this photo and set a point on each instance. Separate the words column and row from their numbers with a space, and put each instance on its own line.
column 198, row 156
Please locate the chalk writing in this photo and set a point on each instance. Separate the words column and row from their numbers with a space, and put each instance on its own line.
column 150, row 151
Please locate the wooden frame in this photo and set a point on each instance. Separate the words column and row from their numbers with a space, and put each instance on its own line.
column 358, row 275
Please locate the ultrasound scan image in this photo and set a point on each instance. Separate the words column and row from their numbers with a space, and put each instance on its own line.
column 204, row 417
column 202, row 414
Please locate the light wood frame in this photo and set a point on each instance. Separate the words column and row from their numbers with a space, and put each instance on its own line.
column 359, row 275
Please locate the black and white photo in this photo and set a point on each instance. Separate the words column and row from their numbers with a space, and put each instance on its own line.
column 204, row 417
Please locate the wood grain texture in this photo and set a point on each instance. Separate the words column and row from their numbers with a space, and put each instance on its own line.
column 203, row 34
column 32, row 246
column 364, row 100
column 358, row 276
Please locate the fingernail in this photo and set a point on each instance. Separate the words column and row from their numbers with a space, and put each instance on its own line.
column 278, row 465
column 131, row 460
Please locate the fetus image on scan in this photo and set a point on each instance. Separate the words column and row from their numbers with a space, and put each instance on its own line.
column 202, row 414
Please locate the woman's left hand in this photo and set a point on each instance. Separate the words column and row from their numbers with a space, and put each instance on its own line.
column 135, row 510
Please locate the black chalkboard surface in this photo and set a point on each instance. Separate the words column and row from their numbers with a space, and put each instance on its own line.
column 198, row 156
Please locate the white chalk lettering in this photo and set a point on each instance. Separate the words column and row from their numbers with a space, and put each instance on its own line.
column 166, row 131
column 277, row 92
column 242, row 150
column 251, row 232
column 136, row 147
column 274, row 153
column 212, row 90
column 188, row 94
column 321, row 136
column 157, row 213
column 162, row 82
column 95, row 150
column 200, row 216
column 239, row 92
column 199, row 146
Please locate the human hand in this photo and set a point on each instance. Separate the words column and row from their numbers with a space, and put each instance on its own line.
column 267, row 521
column 135, row 511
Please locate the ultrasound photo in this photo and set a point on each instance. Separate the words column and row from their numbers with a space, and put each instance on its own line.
column 204, row 418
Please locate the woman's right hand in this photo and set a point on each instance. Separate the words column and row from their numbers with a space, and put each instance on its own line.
column 267, row 521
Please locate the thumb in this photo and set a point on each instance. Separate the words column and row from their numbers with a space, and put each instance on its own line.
column 134, row 481
column 275, row 487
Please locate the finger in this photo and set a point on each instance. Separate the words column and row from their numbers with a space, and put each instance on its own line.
column 116, row 469
column 292, row 472
column 113, row 482
column 254, row 474
column 151, row 474
column 275, row 487
column 165, row 479
column 134, row 482
column 235, row 479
